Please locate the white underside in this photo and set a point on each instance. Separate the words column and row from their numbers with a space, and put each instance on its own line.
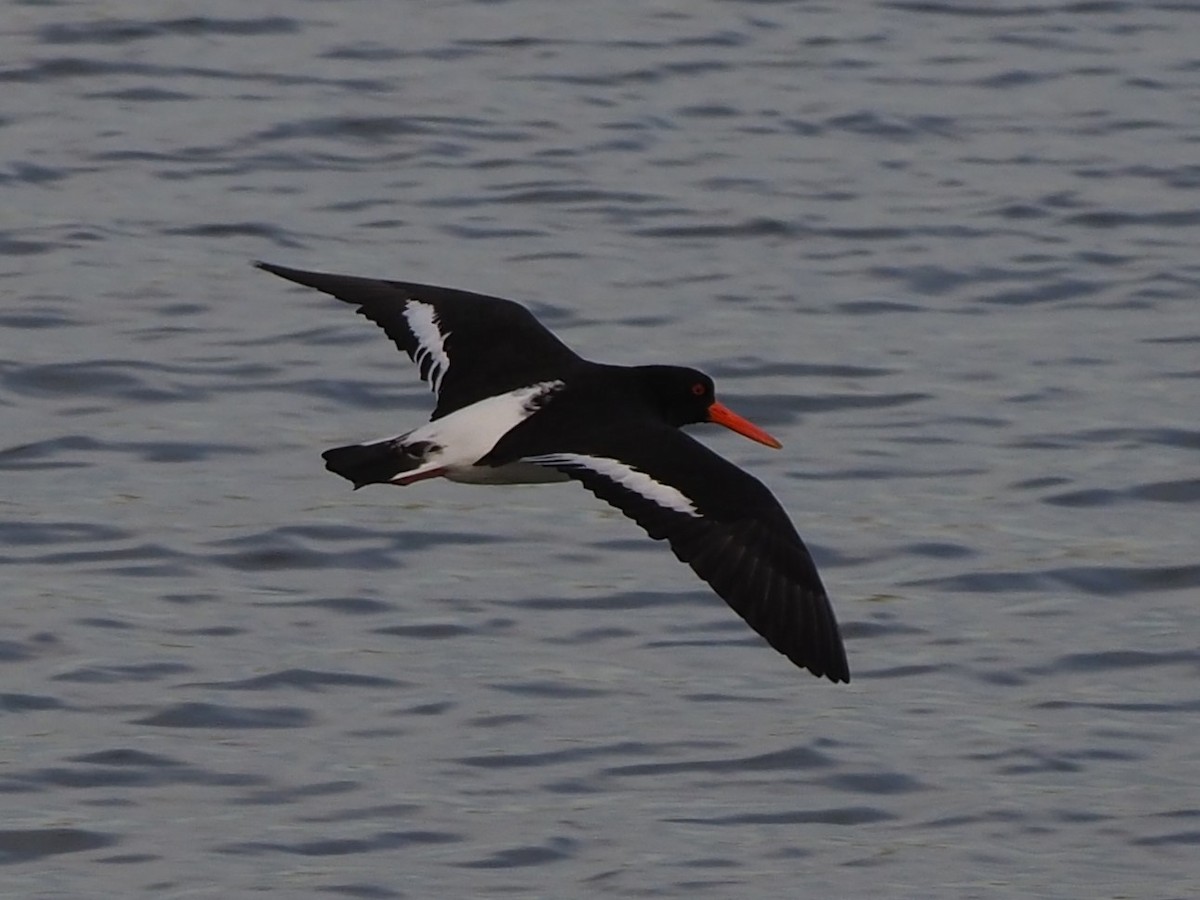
column 467, row 435
column 513, row 473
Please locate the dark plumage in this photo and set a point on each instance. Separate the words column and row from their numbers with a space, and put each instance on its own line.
column 516, row 404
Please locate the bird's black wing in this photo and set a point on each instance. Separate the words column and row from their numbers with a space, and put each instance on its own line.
column 723, row 523
column 467, row 346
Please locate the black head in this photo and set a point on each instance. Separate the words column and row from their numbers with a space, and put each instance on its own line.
column 683, row 396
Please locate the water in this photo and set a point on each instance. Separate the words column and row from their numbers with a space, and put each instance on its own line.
column 945, row 252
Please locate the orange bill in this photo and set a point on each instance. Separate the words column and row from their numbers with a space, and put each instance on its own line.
column 723, row 415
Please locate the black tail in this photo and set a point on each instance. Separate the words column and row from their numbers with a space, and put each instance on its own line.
column 376, row 463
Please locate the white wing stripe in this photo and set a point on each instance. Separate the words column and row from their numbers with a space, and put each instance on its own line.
column 422, row 320
column 627, row 476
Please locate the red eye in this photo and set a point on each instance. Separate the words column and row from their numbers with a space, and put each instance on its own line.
column 698, row 389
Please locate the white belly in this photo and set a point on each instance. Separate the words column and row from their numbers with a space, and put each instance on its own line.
column 465, row 436
column 513, row 473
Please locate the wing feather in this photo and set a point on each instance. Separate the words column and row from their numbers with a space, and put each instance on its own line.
column 467, row 346
column 739, row 540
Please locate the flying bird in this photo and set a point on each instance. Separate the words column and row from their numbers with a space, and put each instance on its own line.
column 516, row 405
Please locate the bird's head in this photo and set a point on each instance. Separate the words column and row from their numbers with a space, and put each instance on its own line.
column 686, row 396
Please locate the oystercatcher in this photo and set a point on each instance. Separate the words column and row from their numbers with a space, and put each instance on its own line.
column 516, row 405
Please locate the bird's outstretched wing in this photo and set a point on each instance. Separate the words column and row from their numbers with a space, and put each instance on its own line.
column 467, row 346
column 723, row 523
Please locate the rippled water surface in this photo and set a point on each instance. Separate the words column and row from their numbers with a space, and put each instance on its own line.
column 946, row 252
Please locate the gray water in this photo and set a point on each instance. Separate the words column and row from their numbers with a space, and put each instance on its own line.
column 946, row 252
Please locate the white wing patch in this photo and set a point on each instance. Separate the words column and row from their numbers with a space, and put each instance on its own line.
column 431, row 343
column 625, row 475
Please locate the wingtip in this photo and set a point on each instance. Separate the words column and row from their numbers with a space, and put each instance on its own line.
column 836, row 671
column 834, row 664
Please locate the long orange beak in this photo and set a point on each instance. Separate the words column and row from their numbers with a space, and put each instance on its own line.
column 723, row 415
